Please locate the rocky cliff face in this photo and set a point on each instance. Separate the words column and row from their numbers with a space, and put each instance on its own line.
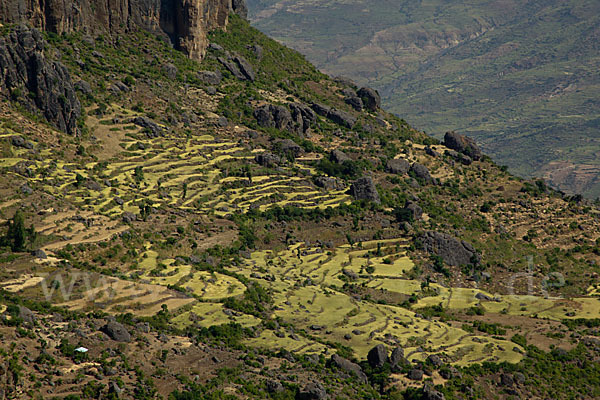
column 36, row 82
column 185, row 22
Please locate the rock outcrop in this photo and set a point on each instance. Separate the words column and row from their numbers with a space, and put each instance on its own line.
column 239, row 67
column 312, row 391
column 267, row 159
column 185, row 23
column 452, row 250
column 421, row 172
column 116, row 331
column 349, row 367
column 398, row 166
column 364, row 189
column 41, row 85
column 338, row 156
column 377, row 356
column 397, row 357
column 297, row 119
column 339, row 117
column 462, row 144
column 370, row 98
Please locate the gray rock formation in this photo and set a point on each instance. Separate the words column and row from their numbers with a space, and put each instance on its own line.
column 397, row 357
column 462, row 144
column 39, row 84
column 364, row 189
column 377, row 356
column 116, row 331
column 370, row 98
column 429, row 393
column 414, row 209
column 341, row 118
column 312, row 391
column 26, row 315
column 239, row 67
column 349, row 367
column 321, row 109
column 288, row 148
column 274, row 386
column 398, row 166
column 421, row 172
column 268, row 160
column 185, row 23
column 154, row 130
column 303, row 117
column 460, row 157
column 415, row 374
column 297, row 119
column 352, row 99
column 338, row 156
column 210, row 77
column 329, row 183
column 434, row 360
column 452, row 250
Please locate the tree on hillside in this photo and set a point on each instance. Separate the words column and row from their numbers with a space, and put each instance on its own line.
column 16, row 234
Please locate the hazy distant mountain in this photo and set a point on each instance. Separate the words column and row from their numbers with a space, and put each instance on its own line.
column 520, row 76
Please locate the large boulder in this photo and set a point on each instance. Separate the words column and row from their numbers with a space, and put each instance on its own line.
column 460, row 157
column 116, row 332
column 272, row 116
column 415, row 374
column 377, row 356
column 39, row 84
column 341, row 118
column 352, row 99
column 349, row 367
column 267, row 159
column 370, row 98
column 239, row 67
column 414, row 210
column 453, row 251
column 364, row 189
column 434, row 360
column 397, row 357
column 462, row 144
column 288, row 148
column 338, row 156
column 321, row 109
column 398, row 166
column 302, row 116
column 421, row 172
column 245, row 67
column 312, row 391
column 429, row 393
column 170, row 70
column 210, row 77
column 26, row 315
column 297, row 119
column 329, row 183
column 274, row 386
column 355, row 102
column 154, row 130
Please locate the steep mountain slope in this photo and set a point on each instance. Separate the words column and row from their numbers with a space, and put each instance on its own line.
column 519, row 76
column 245, row 226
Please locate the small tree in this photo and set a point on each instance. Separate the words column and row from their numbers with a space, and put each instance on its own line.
column 79, row 180
column 16, row 232
column 138, row 174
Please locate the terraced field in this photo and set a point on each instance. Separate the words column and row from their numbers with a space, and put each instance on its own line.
column 191, row 174
column 305, row 281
